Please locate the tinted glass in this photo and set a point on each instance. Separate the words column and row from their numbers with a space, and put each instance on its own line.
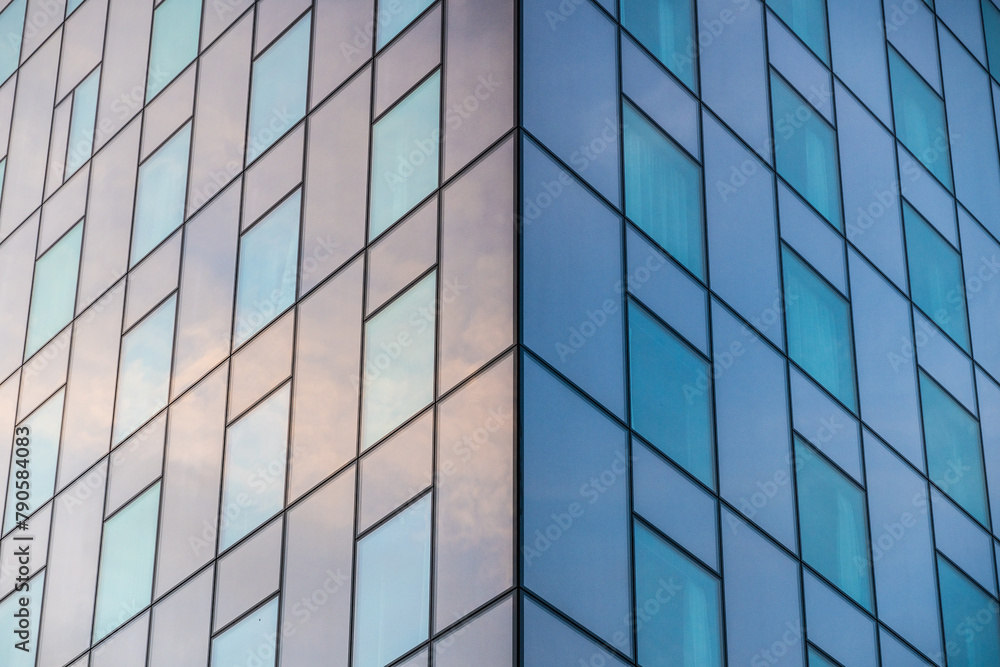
column 250, row 640
column 159, row 200
column 11, row 25
column 808, row 19
column 81, row 126
column 971, row 634
column 176, row 26
column 53, row 293
column 40, row 463
column 666, row 28
column 394, row 15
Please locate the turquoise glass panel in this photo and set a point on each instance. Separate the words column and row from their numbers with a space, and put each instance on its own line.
column 663, row 191
column 395, row 15
column 399, row 361
column 43, row 448
column 936, row 282
column 954, row 450
column 405, row 158
column 280, row 85
column 817, row 659
column 677, row 606
column 671, row 395
column 818, row 326
column 391, row 608
column 833, row 525
column 666, row 28
column 11, row 654
column 808, row 19
column 991, row 25
column 805, row 151
column 71, row 6
column 159, row 200
column 144, row 378
column 11, row 27
column 53, row 294
column 253, row 487
column 970, row 620
column 250, row 641
column 125, row 579
column 176, row 26
column 920, row 120
column 269, row 258
column 81, row 126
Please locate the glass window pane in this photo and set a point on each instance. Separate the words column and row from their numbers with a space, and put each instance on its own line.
column 11, row 26
column 666, row 408
column 71, row 6
column 125, row 581
column 805, row 151
column 679, row 604
column 817, row 659
column 176, row 24
column 391, row 611
column 970, row 620
column 399, row 361
column 81, row 127
column 808, row 19
column 159, row 201
column 665, row 27
column 818, row 323
column 53, row 294
column 253, row 483
column 920, row 121
column 663, row 191
column 954, row 453
column 144, row 377
column 279, row 87
column 252, row 636
column 269, row 257
column 833, row 525
column 395, row 15
column 11, row 649
column 405, row 160
column 43, row 447
column 991, row 24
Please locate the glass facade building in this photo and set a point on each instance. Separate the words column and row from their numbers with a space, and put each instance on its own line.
column 559, row 333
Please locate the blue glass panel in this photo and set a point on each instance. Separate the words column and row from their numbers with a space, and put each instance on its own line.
column 799, row 67
column 963, row 541
column 176, row 25
column 837, row 626
column 44, row 426
column 936, row 283
column 857, row 43
column 395, row 15
column 962, row 17
column 125, row 580
column 912, row 31
column 159, row 201
column 812, row 238
column 805, row 151
column 666, row 28
column 145, row 370
column 991, row 26
column 808, row 19
column 11, row 26
column 551, row 642
column 392, row 604
column 269, row 255
column 253, row 483
column 817, row 659
column 989, row 416
column 671, row 395
column 920, row 121
column 81, row 125
column 926, row 194
column 981, row 264
column 53, row 293
column 279, row 87
column 971, row 633
column 251, row 638
column 944, row 361
column 12, row 654
column 833, row 525
column 818, row 321
column 954, row 453
column 399, row 361
column 405, row 144
column 71, row 6
column 823, row 422
column 679, row 602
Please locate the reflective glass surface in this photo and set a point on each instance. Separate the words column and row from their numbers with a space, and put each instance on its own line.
column 666, row 28
column 251, row 638
column 81, row 127
column 176, row 25
column 11, row 24
column 159, row 200
column 808, row 19
column 53, row 293
column 30, row 489
column 395, row 15
column 971, row 633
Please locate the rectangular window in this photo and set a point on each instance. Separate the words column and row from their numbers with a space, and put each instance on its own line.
column 11, row 27
column 807, row 18
column 663, row 191
column 671, row 395
column 818, row 326
column 936, row 282
column 81, row 126
column 125, row 577
column 395, row 15
column 250, row 641
column 53, row 293
column 991, row 25
column 269, row 259
column 954, row 450
column 161, row 189
column 253, row 483
column 392, row 604
column 805, row 151
column 405, row 159
column 679, row 604
column 399, row 361
column 833, row 524
column 666, row 28
column 970, row 620
column 144, row 378
column 176, row 26
column 920, row 120
column 40, row 465
column 279, row 88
